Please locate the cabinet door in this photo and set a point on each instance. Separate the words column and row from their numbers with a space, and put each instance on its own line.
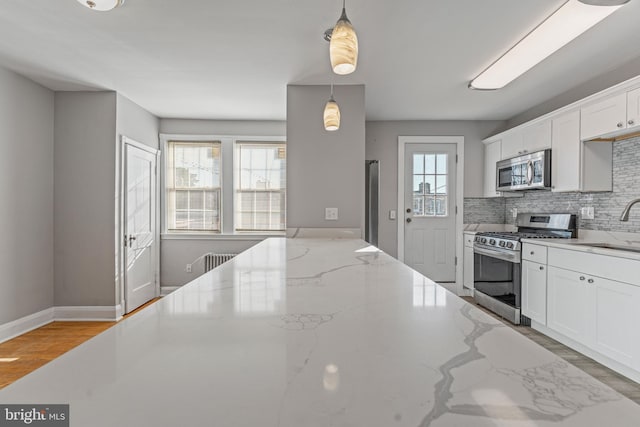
column 565, row 152
column 614, row 332
column 536, row 137
column 512, row 145
column 633, row 108
column 468, row 267
column 534, row 291
column 568, row 304
column 606, row 116
column 492, row 154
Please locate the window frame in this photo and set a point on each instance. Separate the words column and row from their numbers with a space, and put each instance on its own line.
column 227, row 185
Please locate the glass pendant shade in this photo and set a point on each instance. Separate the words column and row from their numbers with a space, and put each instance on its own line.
column 343, row 47
column 331, row 115
column 101, row 5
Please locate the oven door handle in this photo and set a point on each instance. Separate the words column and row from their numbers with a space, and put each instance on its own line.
column 513, row 257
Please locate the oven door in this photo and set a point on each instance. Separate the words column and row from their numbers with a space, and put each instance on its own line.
column 497, row 281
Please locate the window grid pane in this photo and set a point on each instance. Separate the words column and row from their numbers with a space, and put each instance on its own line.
column 260, row 186
column 430, row 186
column 193, row 186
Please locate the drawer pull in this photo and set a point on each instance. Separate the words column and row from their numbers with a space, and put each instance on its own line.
column 541, row 268
column 582, row 277
column 532, row 253
column 590, row 280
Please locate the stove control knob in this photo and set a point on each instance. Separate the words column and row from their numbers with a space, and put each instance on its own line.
column 492, row 242
column 483, row 240
column 476, row 239
column 510, row 245
column 502, row 243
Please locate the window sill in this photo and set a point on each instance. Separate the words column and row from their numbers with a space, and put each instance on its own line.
column 211, row 236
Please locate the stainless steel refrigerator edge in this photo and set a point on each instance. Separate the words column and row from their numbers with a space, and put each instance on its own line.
column 372, row 188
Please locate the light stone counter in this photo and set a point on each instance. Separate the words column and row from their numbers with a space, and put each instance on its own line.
column 314, row 333
column 477, row 228
column 586, row 238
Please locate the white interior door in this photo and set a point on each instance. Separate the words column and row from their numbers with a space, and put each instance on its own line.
column 430, row 210
column 140, row 226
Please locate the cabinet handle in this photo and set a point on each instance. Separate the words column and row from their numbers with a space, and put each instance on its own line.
column 532, row 252
column 590, row 280
column 541, row 268
column 631, row 122
column 620, row 124
column 582, row 277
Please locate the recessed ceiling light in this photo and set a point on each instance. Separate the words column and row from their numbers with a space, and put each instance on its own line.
column 101, row 5
column 565, row 24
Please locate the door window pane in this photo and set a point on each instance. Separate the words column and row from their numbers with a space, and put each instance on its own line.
column 430, row 184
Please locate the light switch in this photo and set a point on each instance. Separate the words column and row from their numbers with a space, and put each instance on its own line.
column 392, row 214
column 331, row 214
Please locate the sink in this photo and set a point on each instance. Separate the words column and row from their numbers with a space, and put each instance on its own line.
column 611, row 246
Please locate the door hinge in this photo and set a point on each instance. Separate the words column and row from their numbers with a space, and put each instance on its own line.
column 455, row 261
column 456, row 158
column 456, row 210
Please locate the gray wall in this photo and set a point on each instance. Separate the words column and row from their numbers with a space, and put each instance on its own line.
column 175, row 254
column 608, row 206
column 84, row 204
column 26, row 190
column 382, row 145
column 325, row 169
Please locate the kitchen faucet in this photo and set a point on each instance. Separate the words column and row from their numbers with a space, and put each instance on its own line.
column 625, row 212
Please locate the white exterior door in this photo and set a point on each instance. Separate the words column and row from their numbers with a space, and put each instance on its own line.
column 140, row 253
column 430, row 210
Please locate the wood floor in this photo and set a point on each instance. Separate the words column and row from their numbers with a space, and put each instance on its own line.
column 30, row 351
column 621, row 384
column 34, row 349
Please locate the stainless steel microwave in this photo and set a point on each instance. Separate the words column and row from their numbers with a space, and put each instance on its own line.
column 528, row 172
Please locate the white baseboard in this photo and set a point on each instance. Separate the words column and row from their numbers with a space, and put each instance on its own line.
column 90, row 313
column 25, row 324
column 166, row 290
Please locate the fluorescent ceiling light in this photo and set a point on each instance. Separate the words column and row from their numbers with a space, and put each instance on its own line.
column 565, row 24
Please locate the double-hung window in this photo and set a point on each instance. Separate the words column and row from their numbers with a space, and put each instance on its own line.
column 224, row 185
column 193, row 186
column 260, row 184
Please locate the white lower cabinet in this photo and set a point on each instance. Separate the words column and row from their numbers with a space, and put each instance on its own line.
column 597, row 313
column 534, row 291
column 468, row 267
column 568, row 303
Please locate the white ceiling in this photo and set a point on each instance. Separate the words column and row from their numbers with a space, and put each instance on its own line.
column 233, row 59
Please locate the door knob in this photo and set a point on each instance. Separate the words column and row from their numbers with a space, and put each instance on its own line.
column 408, row 220
column 408, row 210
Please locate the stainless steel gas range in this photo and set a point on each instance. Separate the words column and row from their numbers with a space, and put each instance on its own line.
column 497, row 275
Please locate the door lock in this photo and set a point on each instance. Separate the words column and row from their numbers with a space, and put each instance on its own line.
column 408, row 220
column 408, row 210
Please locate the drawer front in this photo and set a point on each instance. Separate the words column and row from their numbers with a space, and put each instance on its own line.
column 535, row 253
column 610, row 267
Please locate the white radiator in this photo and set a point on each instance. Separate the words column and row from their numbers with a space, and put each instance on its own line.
column 211, row 261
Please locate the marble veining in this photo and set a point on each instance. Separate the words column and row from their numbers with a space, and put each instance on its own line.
column 318, row 332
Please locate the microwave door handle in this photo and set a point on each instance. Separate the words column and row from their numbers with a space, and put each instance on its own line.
column 529, row 172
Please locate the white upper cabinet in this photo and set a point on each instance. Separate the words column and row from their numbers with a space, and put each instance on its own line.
column 529, row 139
column 633, row 109
column 605, row 116
column 577, row 165
column 492, row 154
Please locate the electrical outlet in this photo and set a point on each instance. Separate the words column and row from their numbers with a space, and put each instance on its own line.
column 331, row 214
column 514, row 212
column 188, row 268
column 587, row 212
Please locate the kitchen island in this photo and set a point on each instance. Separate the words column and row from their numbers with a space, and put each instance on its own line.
column 317, row 332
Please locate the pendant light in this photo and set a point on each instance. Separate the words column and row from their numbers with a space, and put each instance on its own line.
column 331, row 114
column 101, row 5
column 343, row 46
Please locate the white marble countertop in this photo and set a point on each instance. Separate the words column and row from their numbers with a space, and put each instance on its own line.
column 476, row 228
column 588, row 238
column 313, row 332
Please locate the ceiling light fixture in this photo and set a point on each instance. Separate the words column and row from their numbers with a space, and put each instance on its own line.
column 101, row 5
column 331, row 114
column 572, row 19
column 343, row 45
